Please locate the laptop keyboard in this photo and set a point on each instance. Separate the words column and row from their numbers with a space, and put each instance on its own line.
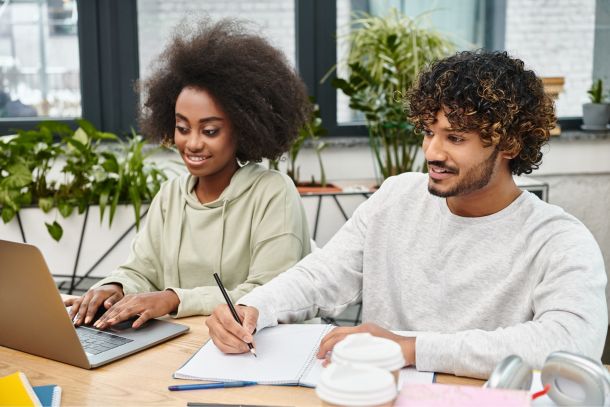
column 96, row 342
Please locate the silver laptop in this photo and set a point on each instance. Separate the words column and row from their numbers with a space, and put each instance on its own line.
column 33, row 318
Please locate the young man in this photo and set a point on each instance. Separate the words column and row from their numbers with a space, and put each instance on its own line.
column 481, row 268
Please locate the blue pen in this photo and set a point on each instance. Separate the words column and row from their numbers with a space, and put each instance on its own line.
column 199, row 386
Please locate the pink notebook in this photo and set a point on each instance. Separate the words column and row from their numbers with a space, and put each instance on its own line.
column 428, row 395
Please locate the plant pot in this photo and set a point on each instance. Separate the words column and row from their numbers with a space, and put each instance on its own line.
column 309, row 188
column 595, row 116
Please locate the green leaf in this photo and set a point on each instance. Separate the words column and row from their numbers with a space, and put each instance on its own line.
column 136, row 201
column 65, row 209
column 114, row 202
column 19, row 176
column 107, row 136
column 6, row 198
column 110, row 164
column 391, row 41
column 81, row 136
column 77, row 143
column 87, row 127
column 104, row 195
column 55, row 230
column 25, row 198
column 343, row 85
column 7, row 214
column 46, row 204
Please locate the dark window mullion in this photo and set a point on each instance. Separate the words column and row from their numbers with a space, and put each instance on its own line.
column 118, row 63
column 325, row 28
column 88, row 46
column 305, row 43
column 495, row 24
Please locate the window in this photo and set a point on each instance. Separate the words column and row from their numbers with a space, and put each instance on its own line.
column 463, row 22
column 62, row 59
column 39, row 59
column 471, row 23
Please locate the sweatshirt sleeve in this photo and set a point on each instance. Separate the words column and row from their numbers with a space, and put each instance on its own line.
column 140, row 273
column 322, row 284
column 570, row 314
column 279, row 240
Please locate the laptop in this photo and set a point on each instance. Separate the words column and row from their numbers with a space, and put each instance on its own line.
column 33, row 318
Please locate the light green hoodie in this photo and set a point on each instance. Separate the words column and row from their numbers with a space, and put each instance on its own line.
column 255, row 230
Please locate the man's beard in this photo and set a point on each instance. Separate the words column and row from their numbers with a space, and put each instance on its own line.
column 475, row 179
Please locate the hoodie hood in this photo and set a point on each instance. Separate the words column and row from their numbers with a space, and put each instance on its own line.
column 243, row 179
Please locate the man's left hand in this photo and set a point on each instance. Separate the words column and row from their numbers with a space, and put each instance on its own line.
column 407, row 344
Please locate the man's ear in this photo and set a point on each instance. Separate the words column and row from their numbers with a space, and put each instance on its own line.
column 509, row 154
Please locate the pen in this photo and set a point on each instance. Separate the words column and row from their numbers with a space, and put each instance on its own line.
column 231, row 307
column 199, row 386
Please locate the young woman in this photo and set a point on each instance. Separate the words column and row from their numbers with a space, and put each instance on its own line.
column 226, row 99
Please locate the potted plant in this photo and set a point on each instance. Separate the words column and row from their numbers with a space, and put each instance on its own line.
column 91, row 172
column 311, row 132
column 386, row 54
column 596, row 114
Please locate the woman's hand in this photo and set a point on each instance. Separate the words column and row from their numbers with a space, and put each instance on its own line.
column 84, row 308
column 144, row 305
column 330, row 340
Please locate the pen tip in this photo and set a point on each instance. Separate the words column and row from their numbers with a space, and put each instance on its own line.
column 253, row 352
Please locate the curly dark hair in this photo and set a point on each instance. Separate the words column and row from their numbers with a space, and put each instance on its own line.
column 263, row 97
column 489, row 93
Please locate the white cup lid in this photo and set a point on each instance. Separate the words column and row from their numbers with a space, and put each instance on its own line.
column 364, row 348
column 356, row 385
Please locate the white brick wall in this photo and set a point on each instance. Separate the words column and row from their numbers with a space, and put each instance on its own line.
column 274, row 19
column 555, row 38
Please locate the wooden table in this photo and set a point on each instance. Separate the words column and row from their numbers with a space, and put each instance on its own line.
column 142, row 379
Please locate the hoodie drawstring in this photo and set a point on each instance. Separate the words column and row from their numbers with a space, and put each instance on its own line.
column 176, row 256
column 222, row 237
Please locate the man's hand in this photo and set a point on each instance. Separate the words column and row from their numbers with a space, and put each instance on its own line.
column 225, row 331
column 330, row 340
column 145, row 305
column 84, row 308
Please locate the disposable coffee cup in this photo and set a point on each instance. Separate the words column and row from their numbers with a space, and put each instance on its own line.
column 356, row 385
column 369, row 350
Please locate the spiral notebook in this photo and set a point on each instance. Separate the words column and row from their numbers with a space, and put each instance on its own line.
column 49, row 395
column 286, row 356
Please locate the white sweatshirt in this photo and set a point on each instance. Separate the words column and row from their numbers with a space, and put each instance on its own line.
column 527, row 280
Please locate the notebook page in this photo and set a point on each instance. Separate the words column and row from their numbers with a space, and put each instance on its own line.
column 283, row 351
column 312, row 376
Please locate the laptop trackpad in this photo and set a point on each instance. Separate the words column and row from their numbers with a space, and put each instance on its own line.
column 122, row 326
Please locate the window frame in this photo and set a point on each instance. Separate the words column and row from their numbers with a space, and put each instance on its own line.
column 109, row 67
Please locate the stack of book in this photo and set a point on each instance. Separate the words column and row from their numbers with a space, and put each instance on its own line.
column 16, row 390
column 553, row 86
